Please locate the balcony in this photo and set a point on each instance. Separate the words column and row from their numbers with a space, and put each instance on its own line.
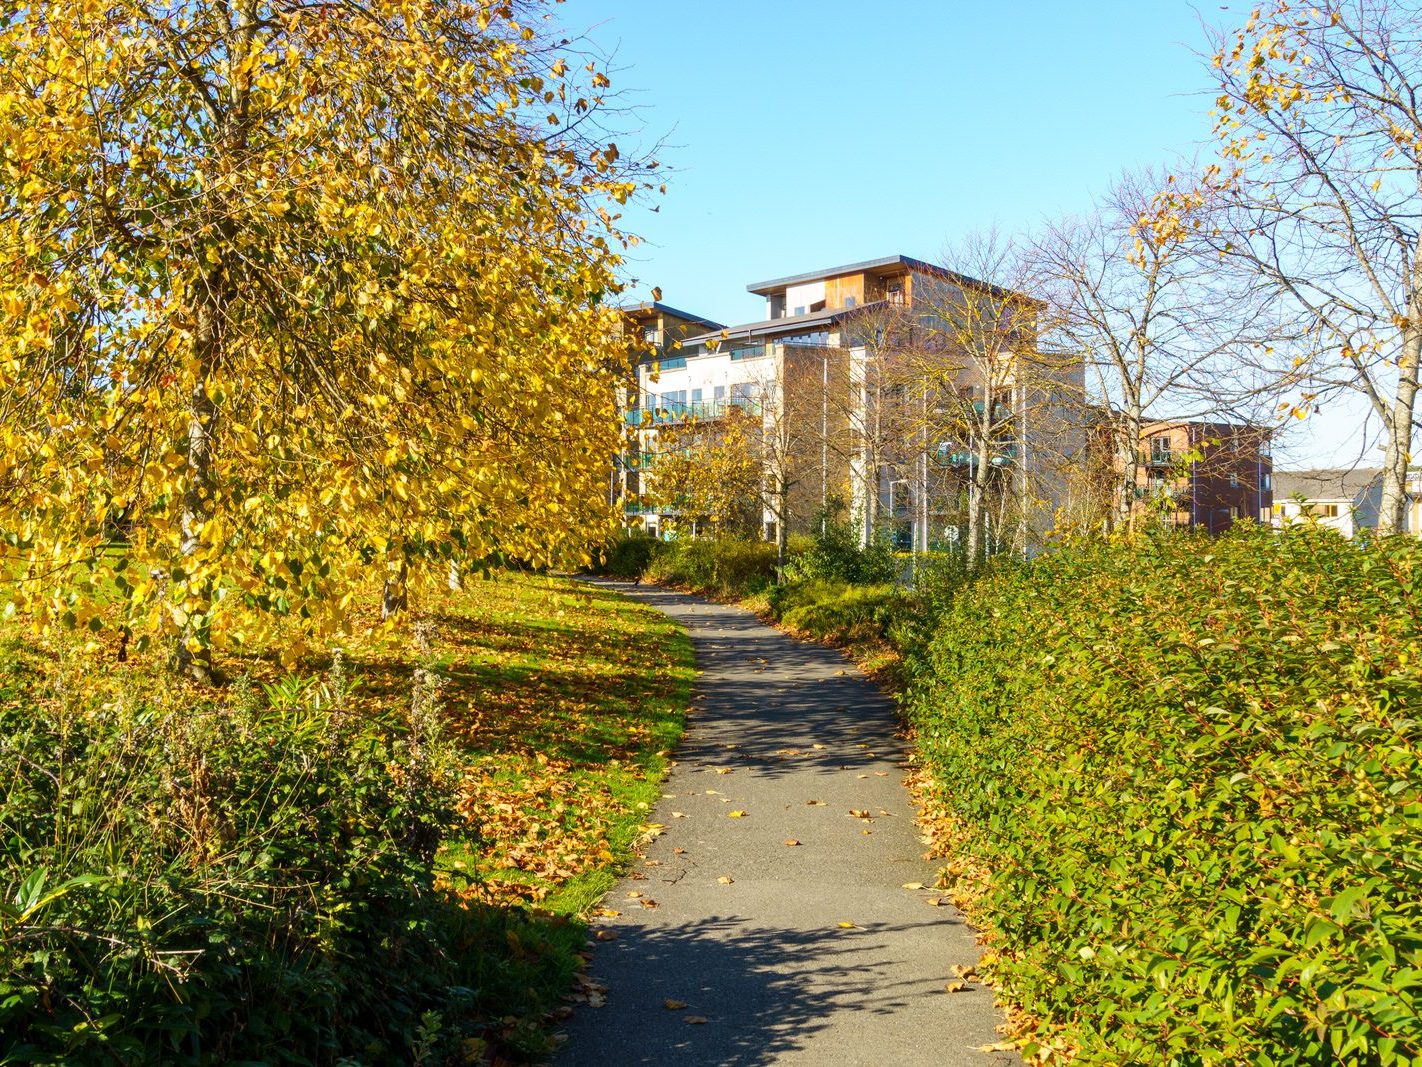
column 1004, row 456
column 687, row 411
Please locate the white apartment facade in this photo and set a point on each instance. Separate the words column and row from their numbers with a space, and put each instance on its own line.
column 814, row 374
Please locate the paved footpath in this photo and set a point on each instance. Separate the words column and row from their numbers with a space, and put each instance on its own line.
column 750, row 933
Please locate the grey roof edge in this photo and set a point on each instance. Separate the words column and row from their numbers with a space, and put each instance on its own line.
column 765, row 288
column 780, row 325
column 667, row 309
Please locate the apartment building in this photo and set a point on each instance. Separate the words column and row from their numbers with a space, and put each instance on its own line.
column 1205, row 475
column 863, row 388
column 653, row 331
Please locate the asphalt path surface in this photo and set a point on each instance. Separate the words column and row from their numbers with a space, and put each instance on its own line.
column 733, row 946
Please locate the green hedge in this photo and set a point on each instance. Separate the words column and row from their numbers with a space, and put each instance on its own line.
column 250, row 881
column 729, row 567
column 1192, row 768
column 836, row 611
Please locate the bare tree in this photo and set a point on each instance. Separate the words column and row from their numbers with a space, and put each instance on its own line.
column 977, row 380
column 1321, row 128
column 1148, row 308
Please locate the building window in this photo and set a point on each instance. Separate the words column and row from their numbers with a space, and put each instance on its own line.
column 673, row 363
column 1326, row 511
column 748, row 352
column 849, row 301
column 649, row 334
column 1160, row 450
column 718, row 392
column 1267, row 483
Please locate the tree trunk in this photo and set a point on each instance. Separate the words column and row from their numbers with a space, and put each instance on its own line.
column 1128, row 442
column 395, row 597
column 193, row 654
column 977, row 500
column 1397, row 456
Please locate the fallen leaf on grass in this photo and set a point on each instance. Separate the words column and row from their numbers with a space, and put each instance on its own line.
column 673, row 1005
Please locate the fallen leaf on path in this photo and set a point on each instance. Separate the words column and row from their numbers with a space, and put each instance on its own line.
column 678, row 815
column 673, row 1005
column 864, row 776
column 934, row 902
column 725, row 879
column 817, row 746
column 847, row 926
column 596, row 1000
column 965, row 970
column 735, row 815
column 913, row 885
column 791, row 841
column 998, row 1046
column 695, row 1020
column 634, row 893
column 859, row 813
column 712, row 793
column 679, row 851
column 723, row 770
column 648, row 902
column 605, row 935
column 957, row 986
column 816, row 803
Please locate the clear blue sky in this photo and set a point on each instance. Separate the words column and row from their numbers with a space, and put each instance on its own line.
column 802, row 135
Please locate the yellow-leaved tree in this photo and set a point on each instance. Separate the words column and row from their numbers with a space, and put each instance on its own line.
column 300, row 299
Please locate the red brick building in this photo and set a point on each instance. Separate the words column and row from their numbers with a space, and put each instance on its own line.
column 1205, row 475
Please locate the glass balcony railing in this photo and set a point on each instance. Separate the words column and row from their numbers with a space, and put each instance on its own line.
column 687, row 410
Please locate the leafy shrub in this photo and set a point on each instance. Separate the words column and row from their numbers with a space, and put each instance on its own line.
column 835, row 611
column 1192, row 769
column 214, row 883
column 728, row 568
column 835, row 554
column 629, row 555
